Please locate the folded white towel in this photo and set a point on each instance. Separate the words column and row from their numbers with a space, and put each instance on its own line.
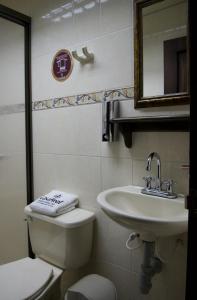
column 54, row 203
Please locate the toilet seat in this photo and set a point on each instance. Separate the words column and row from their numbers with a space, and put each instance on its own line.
column 26, row 278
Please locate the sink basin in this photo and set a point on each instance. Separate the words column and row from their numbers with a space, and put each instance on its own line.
column 151, row 216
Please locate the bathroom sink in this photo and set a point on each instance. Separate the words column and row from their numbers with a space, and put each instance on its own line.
column 151, row 216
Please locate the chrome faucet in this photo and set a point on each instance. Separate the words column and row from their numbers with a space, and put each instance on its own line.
column 148, row 168
column 157, row 190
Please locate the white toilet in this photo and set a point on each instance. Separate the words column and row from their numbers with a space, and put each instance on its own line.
column 59, row 243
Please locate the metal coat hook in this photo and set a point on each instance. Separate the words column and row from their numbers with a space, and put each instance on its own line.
column 87, row 58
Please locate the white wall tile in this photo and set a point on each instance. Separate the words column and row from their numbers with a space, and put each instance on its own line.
column 111, row 68
column 12, row 134
column 115, row 172
column 173, row 170
column 53, row 131
column 110, row 242
column 115, row 15
column 45, row 174
column 88, row 129
column 171, row 146
column 73, row 130
column 86, row 17
column 138, row 172
column 113, row 60
column 12, row 66
column 116, row 149
column 75, row 174
column 80, row 175
column 49, row 36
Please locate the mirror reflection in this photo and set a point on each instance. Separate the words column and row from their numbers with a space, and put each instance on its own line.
column 164, row 30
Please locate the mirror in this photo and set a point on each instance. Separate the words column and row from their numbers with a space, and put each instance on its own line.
column 161, row 56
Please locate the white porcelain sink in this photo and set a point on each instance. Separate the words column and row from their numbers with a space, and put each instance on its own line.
column 148, row 215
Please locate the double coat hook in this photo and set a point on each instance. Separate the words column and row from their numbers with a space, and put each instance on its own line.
column 87, row 58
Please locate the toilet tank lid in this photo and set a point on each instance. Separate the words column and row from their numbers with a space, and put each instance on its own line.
column 75, row 218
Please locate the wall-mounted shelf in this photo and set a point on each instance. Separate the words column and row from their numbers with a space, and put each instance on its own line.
column 158, row 123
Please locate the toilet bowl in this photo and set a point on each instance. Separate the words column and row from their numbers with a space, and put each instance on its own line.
column 59, row 243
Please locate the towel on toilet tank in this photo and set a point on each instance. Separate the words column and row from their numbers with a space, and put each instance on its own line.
column 54, row 203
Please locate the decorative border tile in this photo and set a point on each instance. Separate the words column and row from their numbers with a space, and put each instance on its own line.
column 82, row 99
column 119, row 94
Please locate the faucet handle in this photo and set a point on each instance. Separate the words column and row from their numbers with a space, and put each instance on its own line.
column 169, row 183
column 148, row 180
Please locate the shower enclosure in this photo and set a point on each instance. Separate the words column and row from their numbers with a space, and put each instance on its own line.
column 15, row 133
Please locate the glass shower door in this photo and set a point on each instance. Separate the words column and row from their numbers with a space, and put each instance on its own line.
column 13, row 185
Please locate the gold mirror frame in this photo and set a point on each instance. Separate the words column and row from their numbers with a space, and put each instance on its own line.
column 150, row 101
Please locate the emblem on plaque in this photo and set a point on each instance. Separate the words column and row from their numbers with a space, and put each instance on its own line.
column 62, row 65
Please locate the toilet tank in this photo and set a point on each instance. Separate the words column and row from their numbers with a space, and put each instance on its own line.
column 64, row 241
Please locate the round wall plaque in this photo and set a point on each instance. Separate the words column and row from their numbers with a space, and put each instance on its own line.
column 62, row 65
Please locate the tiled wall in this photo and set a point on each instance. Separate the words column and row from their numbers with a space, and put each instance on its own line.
column 73, row 158
column 68, row 152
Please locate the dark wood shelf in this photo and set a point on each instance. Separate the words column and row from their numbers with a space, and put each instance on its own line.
column 161, row 123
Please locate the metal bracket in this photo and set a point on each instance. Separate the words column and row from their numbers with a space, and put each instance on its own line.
column 109, row 111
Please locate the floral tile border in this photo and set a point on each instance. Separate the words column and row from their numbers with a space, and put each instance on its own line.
column 89, row 98
column 119, row 94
